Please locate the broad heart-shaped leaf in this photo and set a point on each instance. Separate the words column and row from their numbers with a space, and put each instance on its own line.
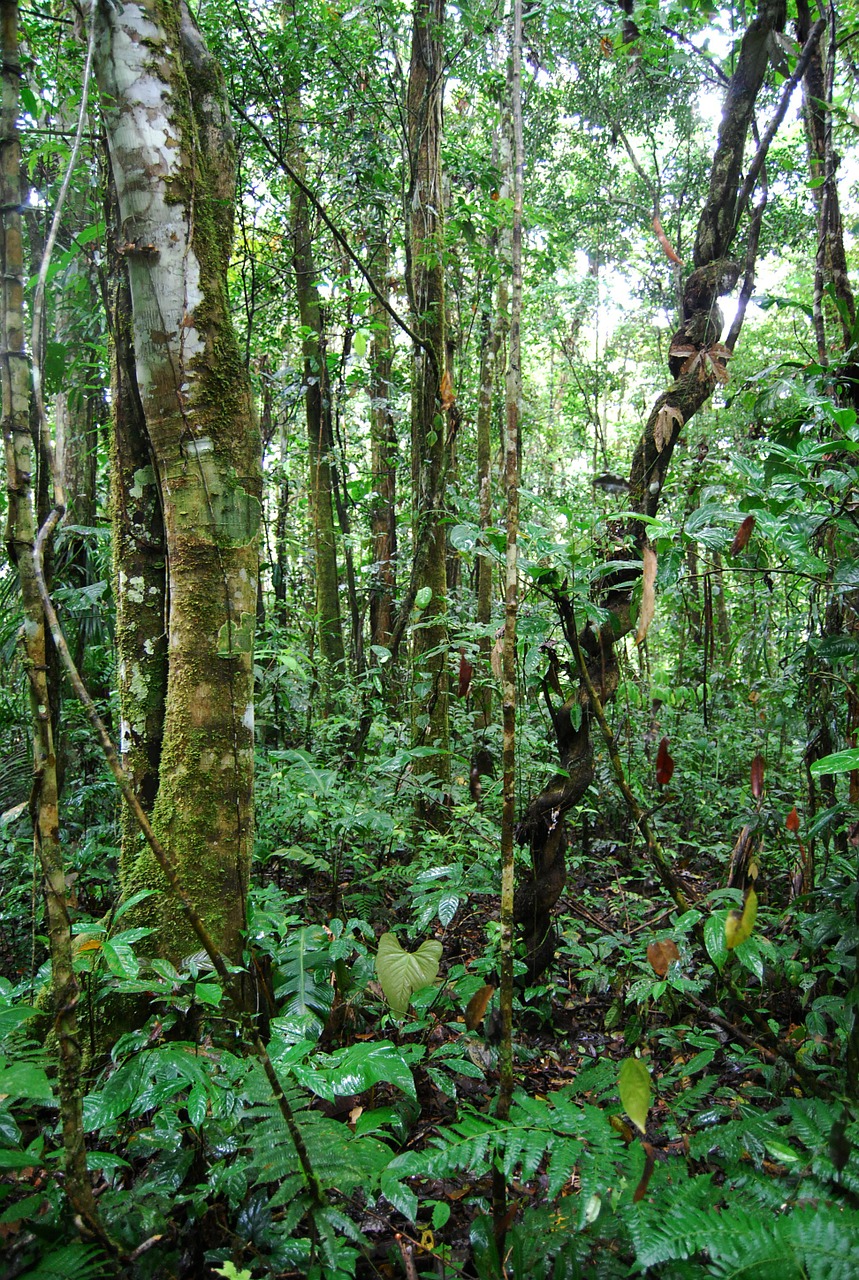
column 739, row 925
column 402, row 973
column 635, row 1091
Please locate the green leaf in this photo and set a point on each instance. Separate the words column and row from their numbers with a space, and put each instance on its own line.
column 401, row 1197
column 714, row 938
column 447, row 909
column 23, row 1080
column 140, row 896
column 402, row 973
column 839, row 762
column 353, row 1070
column 423, row 597
column 635, row 1091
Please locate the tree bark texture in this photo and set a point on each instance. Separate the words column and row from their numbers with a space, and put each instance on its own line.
column 320, row 435
column 383, row 443
column 426, row 287
column 21, row 458
column 172, row 157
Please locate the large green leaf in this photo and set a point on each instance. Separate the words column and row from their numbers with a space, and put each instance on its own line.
column 402, row 973
column 24, row 1080
column 635, row 1091
column 840, row 762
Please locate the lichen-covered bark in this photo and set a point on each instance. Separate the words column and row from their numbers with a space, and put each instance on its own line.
column 716, row 225
column 831, row 263
column 426, row 288
column 172, row 157
column 140, row 561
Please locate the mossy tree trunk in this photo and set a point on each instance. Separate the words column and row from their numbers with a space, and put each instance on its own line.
column 426, row 288
column 172, row 157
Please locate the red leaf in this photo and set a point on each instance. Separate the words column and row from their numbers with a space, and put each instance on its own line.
column 664, row 764
column 466, row 671
column 758, row 777
column 792, row 821
column 742, row 536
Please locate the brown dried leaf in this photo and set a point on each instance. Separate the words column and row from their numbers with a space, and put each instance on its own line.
column 719, row 370
column 757, row 776
column 668, row 417
column 496, row 659
column 445, row 391
column 466, row 671
column 664, row 764
column 648, row 593
column 667, row 247
column 475, row 1010
column 742, row 535
column 649, row 1166
column 662, row 955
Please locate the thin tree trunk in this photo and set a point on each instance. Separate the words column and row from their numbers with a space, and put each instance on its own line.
column 383, row 443
column 714, row 275
column 320, row 439
column 22, row 467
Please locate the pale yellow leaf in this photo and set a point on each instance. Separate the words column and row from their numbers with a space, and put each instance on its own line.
column 663, row 428
column 648, row 593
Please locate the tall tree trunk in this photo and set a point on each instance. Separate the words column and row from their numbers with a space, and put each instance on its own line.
column 22, row 470
column 383, row 444
column 139, row 557
column 512, row 458
column 172, row 156
column 830, row 260
column 426, row 286
column 320, row 436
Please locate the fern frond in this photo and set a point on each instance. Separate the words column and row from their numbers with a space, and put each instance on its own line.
column 72, row 1262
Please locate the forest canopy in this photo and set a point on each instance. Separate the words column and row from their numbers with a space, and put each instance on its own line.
column 429, row 778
